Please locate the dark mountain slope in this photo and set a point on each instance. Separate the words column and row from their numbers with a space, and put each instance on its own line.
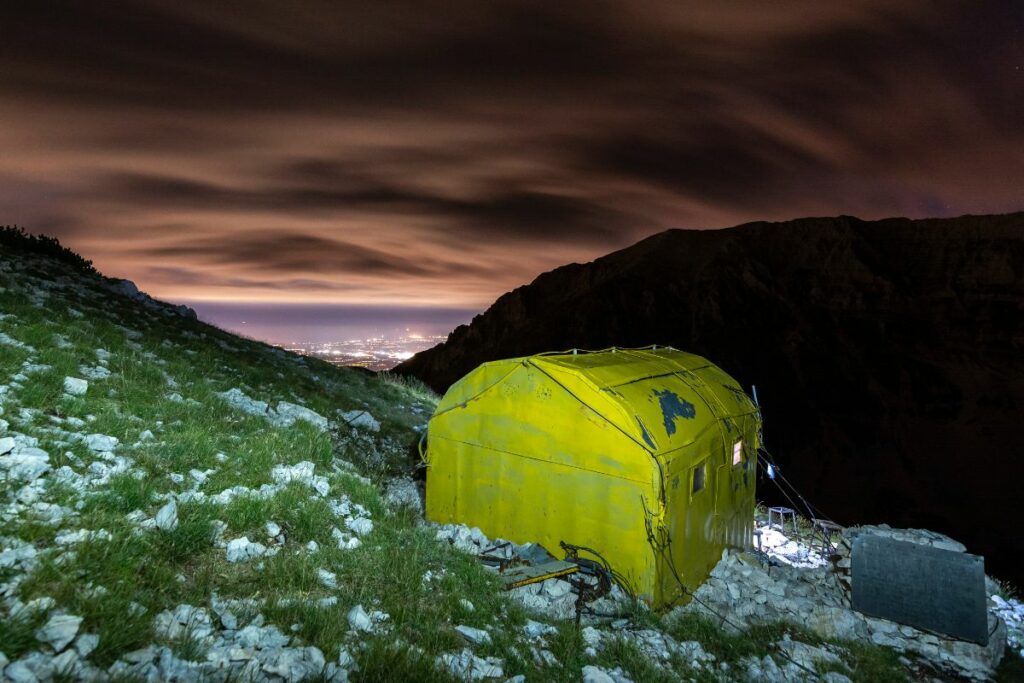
column 887, row 355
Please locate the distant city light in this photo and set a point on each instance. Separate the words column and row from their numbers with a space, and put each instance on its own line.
column 373, row 353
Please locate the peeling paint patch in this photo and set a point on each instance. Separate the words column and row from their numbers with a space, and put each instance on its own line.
column 672, row 407
column 737, row 393
column 647, row 437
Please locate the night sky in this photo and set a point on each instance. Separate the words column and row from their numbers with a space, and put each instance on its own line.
column 412, row 161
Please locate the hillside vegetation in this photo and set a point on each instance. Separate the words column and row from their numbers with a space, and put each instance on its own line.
column 157, row 521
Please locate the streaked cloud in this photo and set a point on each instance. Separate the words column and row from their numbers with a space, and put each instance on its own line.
column 421, row 154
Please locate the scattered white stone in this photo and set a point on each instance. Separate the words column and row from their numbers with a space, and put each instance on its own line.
column 86, row 643
column 468, row 667
column 26, row 464
column 167, row 516
column 242, row 549
column 303, row 473
column 59, row 631
column 784, row 549
column 475, row 636
column 535, row 629
column 359, row 620
column 100, row 442
column 94, row 372
column 403, row 492
column 361, row 526
column 595, row 674
column 1012, row 613
column 200, row 476
column 327, row 579
column 345, row 541
column 360, row 419
column 75, row 536
column 237, row 399
column 75, row 386
column 10, row 341
column 289, row 413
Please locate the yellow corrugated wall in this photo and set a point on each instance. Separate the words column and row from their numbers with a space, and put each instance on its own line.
column 574, row 447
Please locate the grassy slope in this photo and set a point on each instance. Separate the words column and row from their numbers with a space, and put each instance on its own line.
column 160, row 570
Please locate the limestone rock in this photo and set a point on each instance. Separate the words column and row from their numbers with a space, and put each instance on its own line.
column 167, row 517
column 466, row 666
column 360, row 419
column 86, row 643
column 361, row 526
column 327, row 579
column 475, row 636
column 101, row 442
column 26, row 464
column 289, row 413
column 242, row 549
column 75, row 386
column 59, row 631
column 595, row 674
column 237, row 399
column 359, row 620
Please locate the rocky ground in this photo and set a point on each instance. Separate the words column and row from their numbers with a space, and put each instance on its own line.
column 177, row 503
column 789, row 583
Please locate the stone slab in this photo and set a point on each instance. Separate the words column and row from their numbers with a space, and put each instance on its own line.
column 928, row 588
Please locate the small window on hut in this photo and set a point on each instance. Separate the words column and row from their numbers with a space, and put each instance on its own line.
column 737, row 453
column 698, row 478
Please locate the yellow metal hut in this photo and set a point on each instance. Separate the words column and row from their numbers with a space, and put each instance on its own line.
column 648, row 456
